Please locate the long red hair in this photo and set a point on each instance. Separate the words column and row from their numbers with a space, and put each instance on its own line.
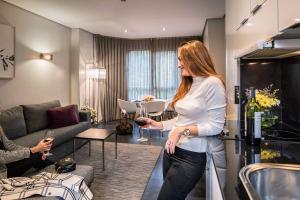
column 198, row 62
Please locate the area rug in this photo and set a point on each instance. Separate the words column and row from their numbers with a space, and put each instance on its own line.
column 123, row 178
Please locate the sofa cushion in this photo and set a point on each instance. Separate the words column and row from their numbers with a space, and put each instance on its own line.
column 63, row 116
column 12, row 122
column 61, row 135
column 36, row 116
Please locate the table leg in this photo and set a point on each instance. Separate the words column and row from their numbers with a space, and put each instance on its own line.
column 90, row 148
column 116, row 144
column 74, row 148
column 103, row 167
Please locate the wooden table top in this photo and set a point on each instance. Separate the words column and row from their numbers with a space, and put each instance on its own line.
column 95, row 134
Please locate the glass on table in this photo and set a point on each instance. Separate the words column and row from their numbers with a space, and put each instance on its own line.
column 141, row 120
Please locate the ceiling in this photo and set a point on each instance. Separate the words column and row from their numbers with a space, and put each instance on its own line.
column 141, row 18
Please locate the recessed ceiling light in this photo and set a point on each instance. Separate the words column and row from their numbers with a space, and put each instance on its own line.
column 164, row 28
column 125, row 30
column 248, row 24
column 297, row 19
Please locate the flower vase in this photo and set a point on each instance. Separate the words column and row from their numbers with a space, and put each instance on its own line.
column 268, row 119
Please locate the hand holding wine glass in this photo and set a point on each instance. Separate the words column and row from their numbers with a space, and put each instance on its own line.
column 141, row 120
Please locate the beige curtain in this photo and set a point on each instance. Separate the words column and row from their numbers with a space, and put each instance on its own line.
column 111, row 55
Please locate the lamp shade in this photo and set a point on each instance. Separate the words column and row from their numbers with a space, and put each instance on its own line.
column 96, row 73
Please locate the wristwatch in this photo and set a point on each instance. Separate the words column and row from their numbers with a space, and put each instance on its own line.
column 186, row 132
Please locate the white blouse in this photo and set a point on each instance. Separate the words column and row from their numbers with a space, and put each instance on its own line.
column 204, row 105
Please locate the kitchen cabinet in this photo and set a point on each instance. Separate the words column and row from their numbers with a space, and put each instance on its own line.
column 213, row 188
column 288, row 13
column 241, row 10
column 255, row 3
column 262, row 25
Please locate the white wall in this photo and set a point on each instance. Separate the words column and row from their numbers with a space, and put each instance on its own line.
column 85, row 57
column 214, row 40
column 36, row 80
column 82, row 54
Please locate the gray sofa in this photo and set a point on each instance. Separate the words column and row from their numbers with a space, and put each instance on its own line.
column 26, row 125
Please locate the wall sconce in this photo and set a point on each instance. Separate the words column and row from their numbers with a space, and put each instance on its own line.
column 46, row 56
column 96, row 73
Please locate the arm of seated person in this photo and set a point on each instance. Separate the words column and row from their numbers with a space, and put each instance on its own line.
column 12, row 156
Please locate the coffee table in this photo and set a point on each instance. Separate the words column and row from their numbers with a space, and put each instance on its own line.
column 96, row 134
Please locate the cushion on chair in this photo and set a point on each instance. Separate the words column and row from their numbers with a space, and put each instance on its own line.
column 13, row 123
column 63, row 116
column 36, row 116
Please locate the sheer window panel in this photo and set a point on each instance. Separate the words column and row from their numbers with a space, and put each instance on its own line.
column 139, row 74
column 166, row 74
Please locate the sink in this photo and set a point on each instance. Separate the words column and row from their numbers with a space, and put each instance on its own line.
column 271, row 181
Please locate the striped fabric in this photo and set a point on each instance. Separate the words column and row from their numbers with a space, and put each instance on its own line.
column 66, row 186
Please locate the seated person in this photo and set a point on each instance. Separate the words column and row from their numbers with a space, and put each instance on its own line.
column 19, row 159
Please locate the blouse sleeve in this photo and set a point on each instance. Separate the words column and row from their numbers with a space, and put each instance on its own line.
column 216, row 109
column 169, row 124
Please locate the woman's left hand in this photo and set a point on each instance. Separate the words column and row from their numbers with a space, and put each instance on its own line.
column 173, row 139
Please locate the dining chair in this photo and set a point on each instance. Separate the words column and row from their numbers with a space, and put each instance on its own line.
column 127, row 107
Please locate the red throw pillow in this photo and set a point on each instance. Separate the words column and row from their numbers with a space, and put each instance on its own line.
column 63, row 116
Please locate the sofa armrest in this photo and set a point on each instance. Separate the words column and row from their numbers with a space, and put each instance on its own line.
column 84, row 116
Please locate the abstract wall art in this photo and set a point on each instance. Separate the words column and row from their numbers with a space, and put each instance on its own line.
column 7, row 52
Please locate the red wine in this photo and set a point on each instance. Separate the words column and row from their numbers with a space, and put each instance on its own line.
column 141, row 122
column 48, row 140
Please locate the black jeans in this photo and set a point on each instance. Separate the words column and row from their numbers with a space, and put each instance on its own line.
column 181, row 172
column 18, row 168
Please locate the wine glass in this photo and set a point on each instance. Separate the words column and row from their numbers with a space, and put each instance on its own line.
column 141, row 120
column 48, row 138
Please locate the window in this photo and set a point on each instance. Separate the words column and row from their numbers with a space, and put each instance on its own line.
column 139, row 80
column 152, row 73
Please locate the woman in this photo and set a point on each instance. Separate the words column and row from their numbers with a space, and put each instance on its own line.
column 200, row 104
column 16, row 160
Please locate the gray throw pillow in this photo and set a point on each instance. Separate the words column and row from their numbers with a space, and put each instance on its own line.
column 36, row 116
column 13, row 123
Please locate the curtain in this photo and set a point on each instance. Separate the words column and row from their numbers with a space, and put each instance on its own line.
column 139, row 70
column 111, row 55
column 166, row 74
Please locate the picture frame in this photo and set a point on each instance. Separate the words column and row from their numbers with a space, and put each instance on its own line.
column 7, row 52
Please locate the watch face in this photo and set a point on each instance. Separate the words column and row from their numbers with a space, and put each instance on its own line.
column 186, row 132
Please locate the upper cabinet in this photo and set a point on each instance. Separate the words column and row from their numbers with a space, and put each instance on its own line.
column 289, row 13
column 255, row 4
column 262, row 23
column 241, row 11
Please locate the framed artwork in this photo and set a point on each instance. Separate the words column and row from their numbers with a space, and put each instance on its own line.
column 7, row 52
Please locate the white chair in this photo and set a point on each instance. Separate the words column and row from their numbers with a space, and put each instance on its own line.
column 127, row 107
column 155, row 108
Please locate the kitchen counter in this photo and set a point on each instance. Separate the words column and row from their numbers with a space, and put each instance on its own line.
column 238, row 154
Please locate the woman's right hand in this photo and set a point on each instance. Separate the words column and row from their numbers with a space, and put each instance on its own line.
column 41, row 147
column 152, row 124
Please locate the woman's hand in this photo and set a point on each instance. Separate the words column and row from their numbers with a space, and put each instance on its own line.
column 152, row 124
column 42, row 147
column 174, row 137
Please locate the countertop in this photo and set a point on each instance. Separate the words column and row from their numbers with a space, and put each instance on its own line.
column 238, row 154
